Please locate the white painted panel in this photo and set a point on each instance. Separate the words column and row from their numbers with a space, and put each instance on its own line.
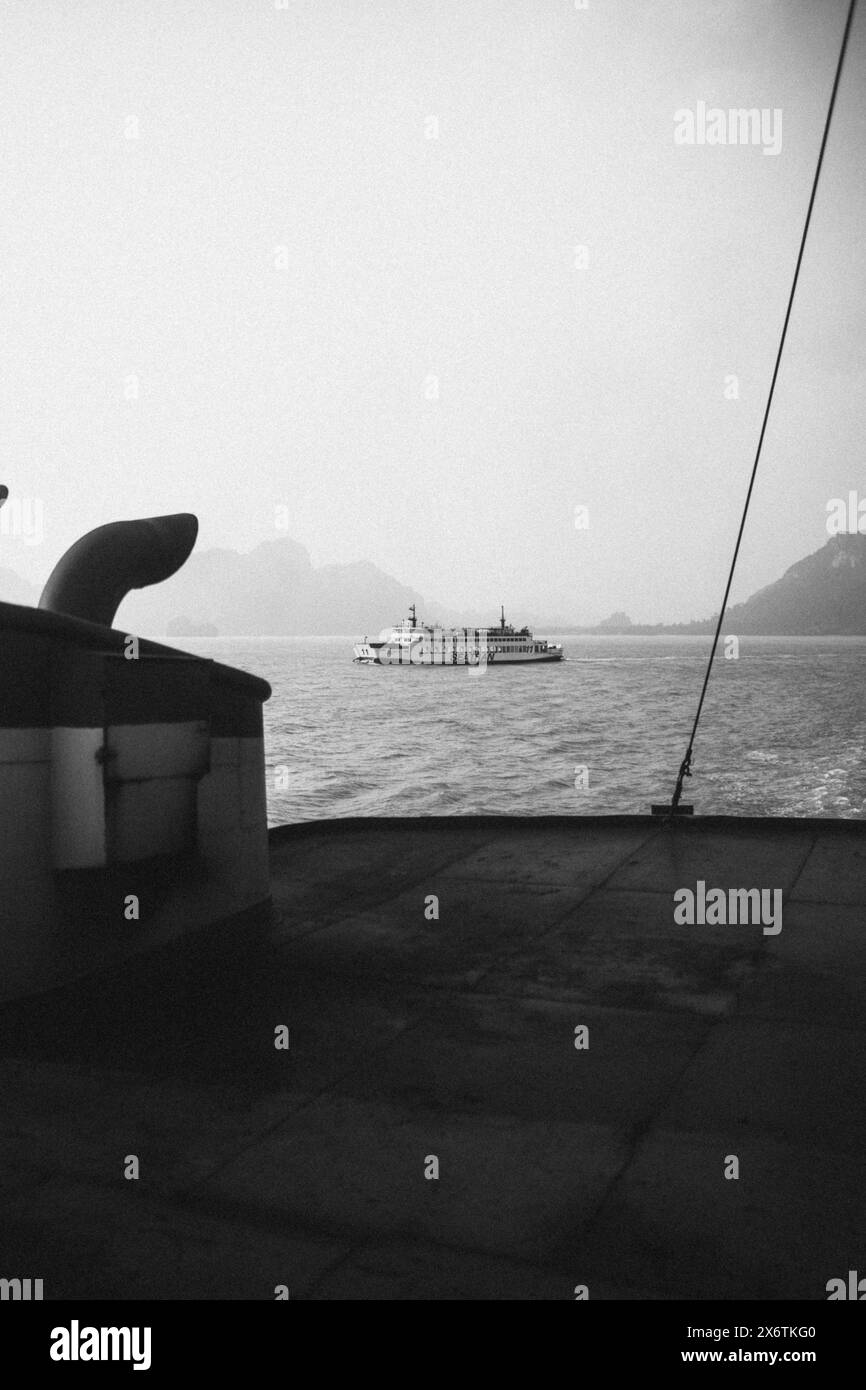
column 140, row 751
column 254, row 801
column 226, row 752
column 25, row 745
column 77, row 799
column 218, row 802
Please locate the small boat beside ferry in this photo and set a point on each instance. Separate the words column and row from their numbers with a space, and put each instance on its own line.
column 413, row 643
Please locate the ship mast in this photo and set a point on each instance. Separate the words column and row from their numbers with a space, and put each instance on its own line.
column 502, row 617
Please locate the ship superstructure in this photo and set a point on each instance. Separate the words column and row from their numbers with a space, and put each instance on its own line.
column 413, row 643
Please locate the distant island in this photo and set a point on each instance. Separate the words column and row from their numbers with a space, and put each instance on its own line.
column 823, row 595
column 276, row 591
column 272, row 591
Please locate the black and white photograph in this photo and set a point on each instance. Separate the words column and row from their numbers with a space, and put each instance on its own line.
column 432, row 668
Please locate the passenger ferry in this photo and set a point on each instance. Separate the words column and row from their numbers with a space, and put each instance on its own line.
column 418, row 644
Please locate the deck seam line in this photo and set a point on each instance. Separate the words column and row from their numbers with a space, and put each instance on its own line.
column 572, row 908
column 802, row 868
column 415, row 1023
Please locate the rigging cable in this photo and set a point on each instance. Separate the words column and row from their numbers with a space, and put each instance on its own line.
column 685, row 766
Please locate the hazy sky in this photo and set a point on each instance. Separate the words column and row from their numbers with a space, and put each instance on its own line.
column 245, row 273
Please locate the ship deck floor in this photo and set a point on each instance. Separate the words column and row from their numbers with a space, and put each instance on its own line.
column 412, row 1037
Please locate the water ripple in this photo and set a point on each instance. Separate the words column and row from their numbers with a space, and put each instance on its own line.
column 783, row 730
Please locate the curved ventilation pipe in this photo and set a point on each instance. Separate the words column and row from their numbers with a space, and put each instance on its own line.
column 94, row 576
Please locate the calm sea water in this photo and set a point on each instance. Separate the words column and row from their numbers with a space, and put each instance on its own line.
column 783, row 730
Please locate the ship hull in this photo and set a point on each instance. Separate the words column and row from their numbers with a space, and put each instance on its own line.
column 417, row 656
